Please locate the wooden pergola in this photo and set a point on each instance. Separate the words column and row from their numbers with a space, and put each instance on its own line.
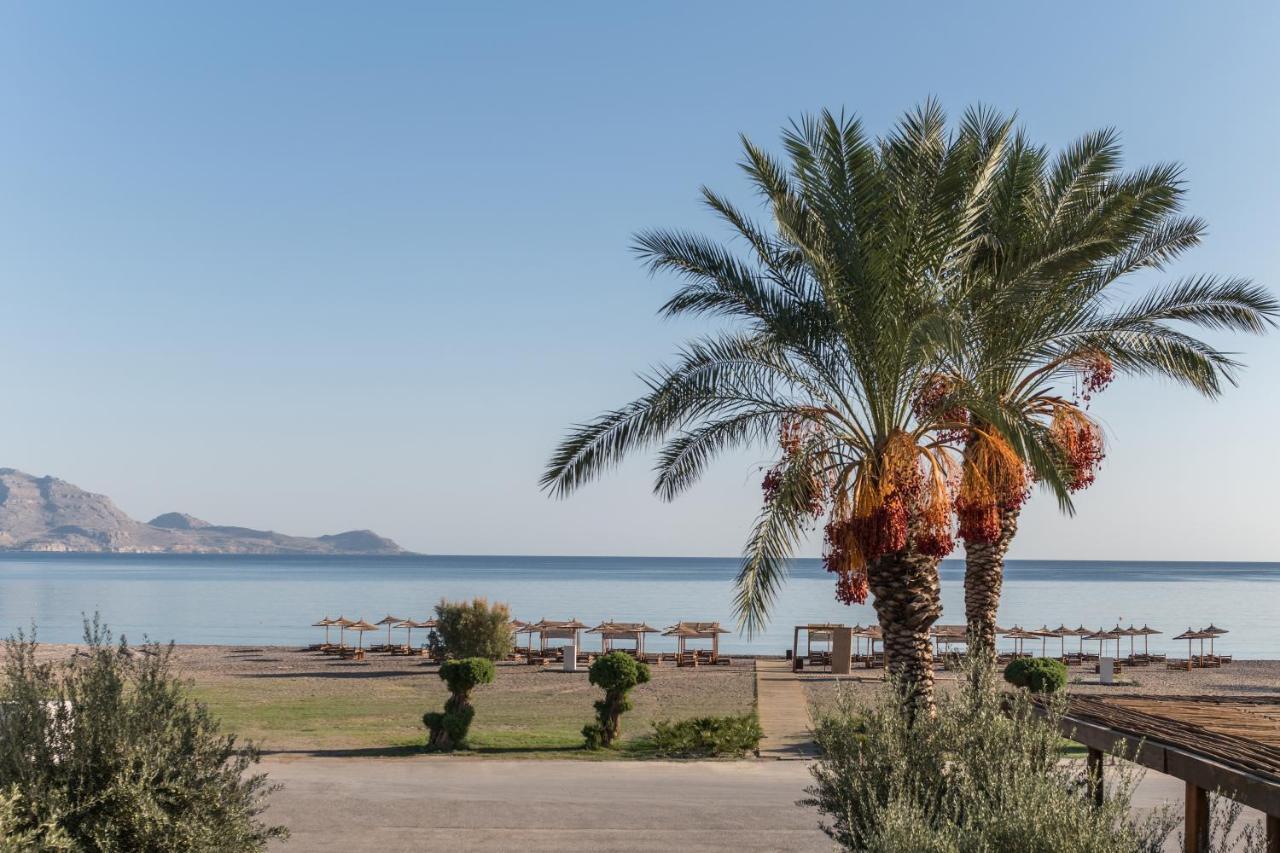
column 685, row 631
column 1229, row 744
column 814, row 633
column 610, row 632
column 555, row 629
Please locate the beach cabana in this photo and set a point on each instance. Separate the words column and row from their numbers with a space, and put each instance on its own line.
column 518, row 627
column 945, row 635
column 634, row 632
column 820, row 633
column 557, row 629
column 871, row 634
column 685, row 631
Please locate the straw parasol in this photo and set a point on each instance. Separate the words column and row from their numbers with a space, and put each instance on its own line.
column 325, row 623
column 389, row 620
column 1146, row 631
column 343, row 624
column 1063, row 632
column 1129, row 632
column 1102, row 637
column 360, row 627
column 1213, row 631
column 1190, row 635
column 1082, row 632
column 409, row 625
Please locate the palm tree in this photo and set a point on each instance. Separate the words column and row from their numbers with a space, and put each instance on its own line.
column 838, row 325
column 1041, row 329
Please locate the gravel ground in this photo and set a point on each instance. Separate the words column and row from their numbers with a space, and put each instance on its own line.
column 1250, row 677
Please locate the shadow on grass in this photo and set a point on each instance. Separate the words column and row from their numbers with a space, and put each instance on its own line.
column 336, row 671
column 353, row 752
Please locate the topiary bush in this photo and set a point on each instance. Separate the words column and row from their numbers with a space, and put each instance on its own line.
column 448, row 730
column 474, row 629
column 108, row 751
column 616, row 673
column 1039, row 675
column 703, row 737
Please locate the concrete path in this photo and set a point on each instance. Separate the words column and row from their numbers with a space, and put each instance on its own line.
column 783, row 710
column 469, row 804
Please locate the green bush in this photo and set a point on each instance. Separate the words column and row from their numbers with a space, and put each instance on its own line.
column 474, row 629
column 616, row 673
column 449, row 729
column 108, row 752
column 984, row 774
column 707, row 736
column 1039, row 675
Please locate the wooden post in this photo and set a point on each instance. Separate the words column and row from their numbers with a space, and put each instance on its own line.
column 1273, row 833
column 1093, row 776
column 1197, row 812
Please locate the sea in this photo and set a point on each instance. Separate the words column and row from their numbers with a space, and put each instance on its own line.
column 273, row 600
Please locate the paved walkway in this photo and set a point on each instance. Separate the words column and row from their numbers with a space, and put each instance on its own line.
column 783, row 710
column 385, row 805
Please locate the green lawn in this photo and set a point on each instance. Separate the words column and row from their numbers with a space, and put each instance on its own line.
column 524, row 712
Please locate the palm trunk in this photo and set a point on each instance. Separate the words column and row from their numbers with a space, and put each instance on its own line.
column 907, row 601
column 983, row 577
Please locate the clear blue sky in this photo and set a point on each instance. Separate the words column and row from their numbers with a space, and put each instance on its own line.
column 316, row 266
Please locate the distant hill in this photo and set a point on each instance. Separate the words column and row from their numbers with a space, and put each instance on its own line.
column 48, row 514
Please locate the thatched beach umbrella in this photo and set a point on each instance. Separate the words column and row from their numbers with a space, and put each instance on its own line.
column 1129, row 632
column 1082, row 632
column 1146, row 631
column 389, row 620
column 1213, row 631
column 1062, row 631
column 1102, row 637
column 409, row 625
column 1190, row 635
column 360, row 626
column 343, row 624
column 325, row 623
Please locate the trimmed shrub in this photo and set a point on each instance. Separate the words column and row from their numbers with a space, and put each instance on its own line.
column 702, row 737
column 616, row 673
column 1039, row 675
column 449, row 729
column 474, row 629
column 108, row 751
column 984, row 774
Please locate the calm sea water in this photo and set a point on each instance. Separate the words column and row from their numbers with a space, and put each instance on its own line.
column 272, row 600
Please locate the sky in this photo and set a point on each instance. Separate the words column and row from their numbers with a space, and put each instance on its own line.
column 322, row 266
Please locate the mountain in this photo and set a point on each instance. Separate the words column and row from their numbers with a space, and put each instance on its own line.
column 48, row 514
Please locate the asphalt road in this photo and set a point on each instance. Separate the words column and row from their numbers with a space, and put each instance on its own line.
column 467, row 804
